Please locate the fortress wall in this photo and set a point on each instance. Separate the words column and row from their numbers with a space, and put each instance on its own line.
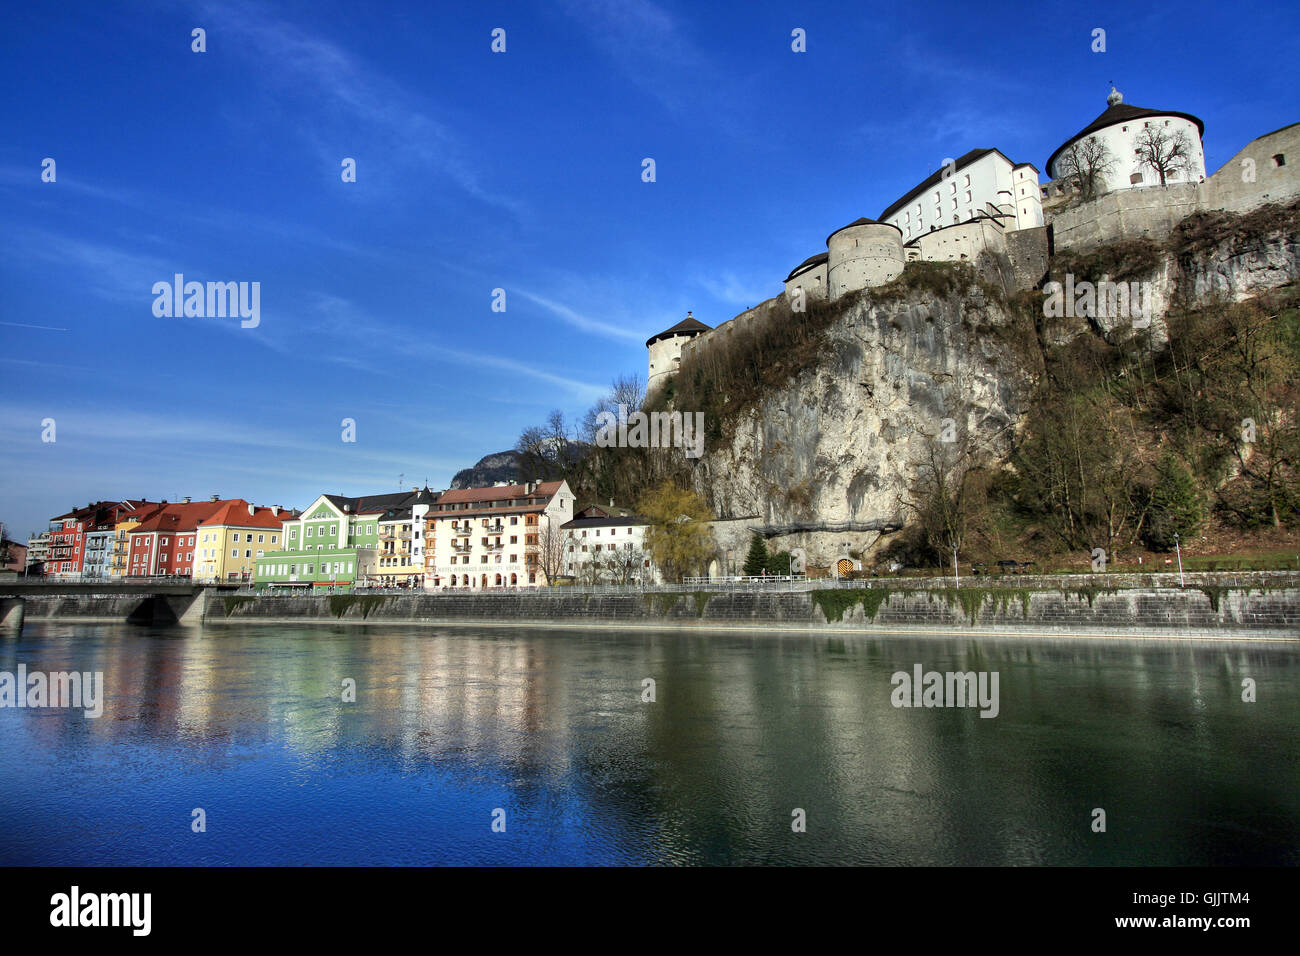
column 1027, row 252
column 1149, row 213
column 1227, row 189
column 965, row 241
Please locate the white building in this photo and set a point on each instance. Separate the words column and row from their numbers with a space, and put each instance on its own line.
column 1119, row 127
column 484, row 538
column 983, row 182
column 666, row 349
column 601, row 548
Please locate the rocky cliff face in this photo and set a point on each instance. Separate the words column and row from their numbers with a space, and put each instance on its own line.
column 836, row 449
column 841, row 442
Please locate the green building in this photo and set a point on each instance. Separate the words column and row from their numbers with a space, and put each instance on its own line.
column 338, row 541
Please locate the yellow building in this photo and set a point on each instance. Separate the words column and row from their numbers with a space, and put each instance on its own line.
column 129, row 518
column 233, row 538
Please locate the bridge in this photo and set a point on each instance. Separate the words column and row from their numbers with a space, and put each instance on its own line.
column 162, row 600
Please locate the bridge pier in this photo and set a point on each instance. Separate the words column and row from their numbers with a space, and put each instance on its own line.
column 12, row 611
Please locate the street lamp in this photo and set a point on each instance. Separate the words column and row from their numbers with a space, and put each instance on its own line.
column 1179, row 551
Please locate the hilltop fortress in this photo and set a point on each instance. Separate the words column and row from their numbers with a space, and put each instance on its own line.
column 988, row 210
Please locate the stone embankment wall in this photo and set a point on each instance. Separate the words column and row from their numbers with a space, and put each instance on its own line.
column 1209, row 604
column 1084, row 606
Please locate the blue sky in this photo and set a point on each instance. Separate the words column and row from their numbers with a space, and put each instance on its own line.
column 476, row 171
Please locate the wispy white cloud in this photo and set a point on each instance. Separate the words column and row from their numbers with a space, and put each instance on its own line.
column 579, row 321
column 377, row 107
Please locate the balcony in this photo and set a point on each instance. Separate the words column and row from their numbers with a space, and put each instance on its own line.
column 462, row 529
column 461, row 547
column 493, row 547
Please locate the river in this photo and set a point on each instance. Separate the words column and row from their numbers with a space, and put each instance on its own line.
column 516, row 746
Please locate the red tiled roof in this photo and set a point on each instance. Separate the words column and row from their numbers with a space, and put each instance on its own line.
column 177, row 518
column 235, row 514
column 544, row 489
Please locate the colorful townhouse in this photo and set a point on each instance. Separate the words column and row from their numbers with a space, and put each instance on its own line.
column 339, row 541
column 231, row 539
column 132, row 513
column 483, row 538
column 164, row 542
column 71, row 538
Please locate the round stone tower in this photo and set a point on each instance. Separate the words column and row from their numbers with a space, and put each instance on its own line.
column 666, row 349
column 864, row 253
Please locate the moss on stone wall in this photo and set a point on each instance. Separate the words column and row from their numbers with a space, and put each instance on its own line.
column 340, row 603
column 236, row 600
column 835, row 601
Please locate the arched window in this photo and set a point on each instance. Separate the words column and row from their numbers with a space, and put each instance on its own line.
column 514, row 579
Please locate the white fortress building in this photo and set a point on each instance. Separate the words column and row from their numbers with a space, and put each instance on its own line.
column 1119, row 128
column 984, row 203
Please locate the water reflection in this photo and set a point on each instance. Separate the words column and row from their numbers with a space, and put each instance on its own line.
column 450, row 724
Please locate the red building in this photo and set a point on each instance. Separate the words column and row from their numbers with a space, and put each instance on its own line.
column 164, row 543
column 67, row 555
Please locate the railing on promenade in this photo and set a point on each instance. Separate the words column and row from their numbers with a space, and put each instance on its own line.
column 799, row 583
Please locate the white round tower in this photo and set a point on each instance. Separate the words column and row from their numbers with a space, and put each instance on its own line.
column 666, row 349
column 864, row 253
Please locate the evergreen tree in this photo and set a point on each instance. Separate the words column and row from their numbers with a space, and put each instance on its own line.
column 1176, row 505
column 778, row 562
column 756, row 560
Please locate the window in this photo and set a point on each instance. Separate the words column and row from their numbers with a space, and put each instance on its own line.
column 248, row 552
column 273, row 538
column 261, row 539
column 1135, row 178
column 1279, row 159
column 967, row 182
column 293, row 534
column 514, row 520
column 163, row 541
column 234, row 552
column 310, row 529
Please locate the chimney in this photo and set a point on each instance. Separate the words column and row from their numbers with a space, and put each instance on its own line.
column 275, row 511
column 187, row 499
column 215, row 498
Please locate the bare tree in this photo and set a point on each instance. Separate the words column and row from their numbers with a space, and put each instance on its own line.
column 948, row 496
column 626, row 564
column 1087, row 162
column 550, row 550
column 1165, row 152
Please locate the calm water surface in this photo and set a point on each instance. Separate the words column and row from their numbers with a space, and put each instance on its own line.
column 549, row 726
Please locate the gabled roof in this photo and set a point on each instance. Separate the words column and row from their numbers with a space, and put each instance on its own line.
column 687, row 326
column 234, row 513
column 179, row 518
column 381, row 504
column 807, row 264
column 544, row 489
column 935, row 177
column 604, row 522
column 1116, row 114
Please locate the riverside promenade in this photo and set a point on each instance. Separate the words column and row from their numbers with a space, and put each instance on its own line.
column 1205, row 604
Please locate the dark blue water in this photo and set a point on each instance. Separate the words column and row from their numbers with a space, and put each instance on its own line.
column 550, row 727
